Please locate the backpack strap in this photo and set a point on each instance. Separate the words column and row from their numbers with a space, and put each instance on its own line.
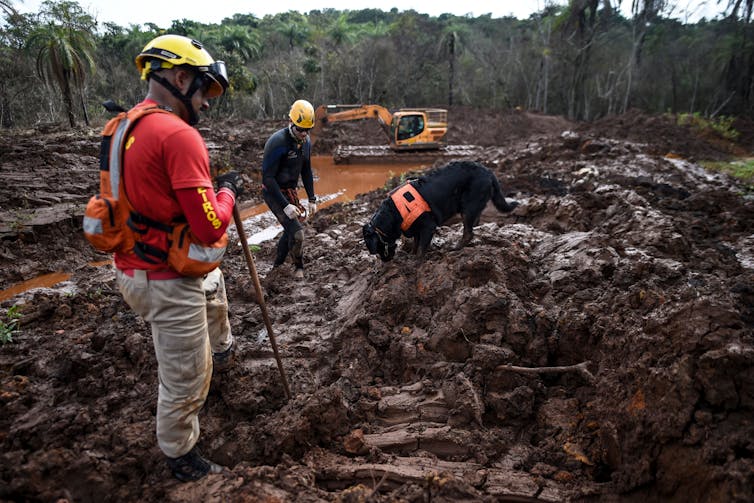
column 112, row 148
column 113, row 145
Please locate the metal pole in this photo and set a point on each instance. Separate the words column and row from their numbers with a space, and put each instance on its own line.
column 260, row 295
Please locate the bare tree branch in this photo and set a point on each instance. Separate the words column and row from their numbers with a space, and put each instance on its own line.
column 580, row 368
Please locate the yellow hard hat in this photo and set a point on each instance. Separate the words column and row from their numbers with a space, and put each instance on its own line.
column 302, row 114
column 167, row 51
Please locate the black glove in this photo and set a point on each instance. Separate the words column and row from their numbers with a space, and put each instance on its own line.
column 231, row 180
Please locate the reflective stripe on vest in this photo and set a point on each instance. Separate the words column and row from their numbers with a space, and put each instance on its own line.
column 116, row 150
column 205, row 253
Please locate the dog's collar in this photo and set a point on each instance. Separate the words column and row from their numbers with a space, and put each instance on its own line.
column 380, row 233
column 382, row 236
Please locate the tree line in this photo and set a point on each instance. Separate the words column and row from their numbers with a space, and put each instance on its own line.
column 583, row 60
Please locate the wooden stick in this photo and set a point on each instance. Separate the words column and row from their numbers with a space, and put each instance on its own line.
column 260, row 296
column 580, row 368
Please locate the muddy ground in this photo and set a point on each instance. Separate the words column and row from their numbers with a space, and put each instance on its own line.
column 594, row 345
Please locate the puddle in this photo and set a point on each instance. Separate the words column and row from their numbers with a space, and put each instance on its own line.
column 332, row 183
column 44, row 281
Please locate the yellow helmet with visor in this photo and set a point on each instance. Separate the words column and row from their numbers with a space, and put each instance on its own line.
column 167, row 51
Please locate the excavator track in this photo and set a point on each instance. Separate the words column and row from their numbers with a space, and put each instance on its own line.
column 379, row 154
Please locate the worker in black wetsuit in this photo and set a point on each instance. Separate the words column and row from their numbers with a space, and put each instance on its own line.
column 287, row 157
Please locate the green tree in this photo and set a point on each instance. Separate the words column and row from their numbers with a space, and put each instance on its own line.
column 451, row 46
column 239, row 40
column 579, row 26
column 342, row 31
column 645, row 14
column 293, row 27
column 14, row 65
column 334, row 37
column 64, row 43
column 116, row 49
column 237, row 46
column 739, row 73
column 376, row 56
column 186, row 27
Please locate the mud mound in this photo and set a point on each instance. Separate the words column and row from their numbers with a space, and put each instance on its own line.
column 500, row 127
column 664, row 135
column 594, row 344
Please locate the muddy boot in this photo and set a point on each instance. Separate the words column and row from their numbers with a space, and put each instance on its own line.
column 299, row 264
column 192, row 466
column 299, row 273
column 222, row 361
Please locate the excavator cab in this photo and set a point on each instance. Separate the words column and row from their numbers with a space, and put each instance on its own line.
column 407, row 126
column 418, row 129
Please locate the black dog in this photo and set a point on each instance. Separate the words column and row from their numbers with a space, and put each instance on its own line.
column 419, row 206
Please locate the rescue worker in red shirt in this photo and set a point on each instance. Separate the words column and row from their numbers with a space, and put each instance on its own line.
column 167, row 179
column 287, row 157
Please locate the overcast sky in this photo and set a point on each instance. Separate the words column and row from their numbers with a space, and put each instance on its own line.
column 164, row 12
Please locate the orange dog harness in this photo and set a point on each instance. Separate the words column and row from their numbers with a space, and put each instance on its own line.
column 410, row 204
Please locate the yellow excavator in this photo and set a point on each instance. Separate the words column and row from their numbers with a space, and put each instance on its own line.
column 407, row 129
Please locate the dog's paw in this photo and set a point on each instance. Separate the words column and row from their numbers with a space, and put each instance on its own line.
column 512, row 205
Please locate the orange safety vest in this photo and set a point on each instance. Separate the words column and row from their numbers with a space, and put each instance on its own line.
column 410, row 204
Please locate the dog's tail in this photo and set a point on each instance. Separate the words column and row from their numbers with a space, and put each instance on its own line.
column 498, row 199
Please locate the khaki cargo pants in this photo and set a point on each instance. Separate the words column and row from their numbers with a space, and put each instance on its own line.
column 189, row 320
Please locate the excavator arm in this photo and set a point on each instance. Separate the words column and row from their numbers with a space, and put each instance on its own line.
column 326, row 114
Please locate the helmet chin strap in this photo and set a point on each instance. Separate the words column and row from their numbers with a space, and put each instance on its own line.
column 298, row 140
column 184, row 98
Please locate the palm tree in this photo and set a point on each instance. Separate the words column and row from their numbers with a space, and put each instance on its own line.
column 64, row 45
column 341, row 31
column 237, row 46
column 451, row 45
column 239, row 40
column 7, row 6
column 294, row 27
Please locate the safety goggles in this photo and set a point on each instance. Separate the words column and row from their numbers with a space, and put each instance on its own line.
column 215, row 79
column 301, row 129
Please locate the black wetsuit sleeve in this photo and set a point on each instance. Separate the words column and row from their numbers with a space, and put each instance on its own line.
column 307, row 176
